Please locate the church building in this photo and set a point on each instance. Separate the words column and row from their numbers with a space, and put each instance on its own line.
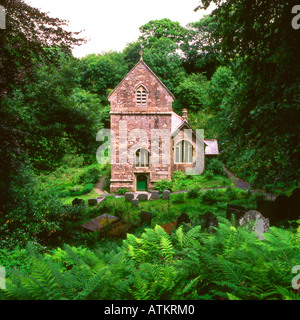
column 141, row 106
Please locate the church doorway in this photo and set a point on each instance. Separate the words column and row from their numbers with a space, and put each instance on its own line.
column 141, row 182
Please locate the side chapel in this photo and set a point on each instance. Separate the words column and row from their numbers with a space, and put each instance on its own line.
column 144, row 102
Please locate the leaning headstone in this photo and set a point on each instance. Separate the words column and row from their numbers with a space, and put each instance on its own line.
column 294, row 201
column 237, row 211
column 154, row 194
column 166, row 195
column 254, row 220
column 184, row 217
column 143, row 197
column 129, row 196
column 135, row 202
column 92, row 202
column 209, row 221
column 77, row 202
column 146, row 217
column 282, row 208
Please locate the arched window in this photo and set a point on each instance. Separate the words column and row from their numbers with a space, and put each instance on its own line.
column 141, row 96
column 183, row 152
column 142, row 158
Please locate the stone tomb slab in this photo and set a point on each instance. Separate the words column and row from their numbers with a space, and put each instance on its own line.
column 99, row 222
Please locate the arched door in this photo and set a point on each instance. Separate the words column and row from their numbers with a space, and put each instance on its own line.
column 141, row 183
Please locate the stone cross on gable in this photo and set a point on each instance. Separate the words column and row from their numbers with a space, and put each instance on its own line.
column 141, row 55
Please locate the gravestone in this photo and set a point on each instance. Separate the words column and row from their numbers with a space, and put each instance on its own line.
column 209, row 221
column 142, row 197
column 77, row 202
column 154, row 195
column 99, row 222
column 281, row 208
column 129, row 196
column 237, row 211
column 256, row 222
column 146, row 217
column 92, row 202
column 100, row 199
column 267, row 209
column 294, row 201
column 166, row 195
column 135, row 202
column 184, row 217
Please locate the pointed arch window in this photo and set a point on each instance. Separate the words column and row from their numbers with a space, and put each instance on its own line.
column 142, row 158
column 141, row 96
column 183, row 152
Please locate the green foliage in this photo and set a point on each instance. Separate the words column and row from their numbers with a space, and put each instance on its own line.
column 122, row 191
column 35, row 213
column 193, row 193
column 210, row 196
column 229, row 264
column 165, row 62
column 192, row 92
column 178, row 198
column 164, row 184
column 215, row 166
column 256, row 123
column 91, row 175
column 101, row 73
column 208, row 174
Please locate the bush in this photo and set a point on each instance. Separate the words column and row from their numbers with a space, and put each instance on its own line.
column 210, row 196
column 73, row 161
column 87, row 188
column 231, row 193
column 90, row 176
column 208, row 174
column 193, row 193
column 164, row 185
column 216, row 167
column 122, row 191
column 178, row 198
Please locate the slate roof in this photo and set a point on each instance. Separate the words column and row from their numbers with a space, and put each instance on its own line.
column 211, row 145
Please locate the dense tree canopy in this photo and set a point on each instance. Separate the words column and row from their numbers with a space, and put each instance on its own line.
column 31, row 38
column 260, row 131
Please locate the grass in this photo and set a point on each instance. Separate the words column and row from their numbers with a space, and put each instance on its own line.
column 163, row 211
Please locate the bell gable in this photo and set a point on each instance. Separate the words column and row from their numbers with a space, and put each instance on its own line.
column 141, row 91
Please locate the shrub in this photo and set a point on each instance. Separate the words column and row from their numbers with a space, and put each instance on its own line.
column 90, row 176
column 87, row 188
column 210, row 196
column 208, row 174
column 164, row 185
column 216, row 167
column 122, row 191
column 231, row 193
column 73, row 161
column 193, row 193
column 178, row 198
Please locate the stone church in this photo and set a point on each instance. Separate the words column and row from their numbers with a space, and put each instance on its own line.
column 143, row 104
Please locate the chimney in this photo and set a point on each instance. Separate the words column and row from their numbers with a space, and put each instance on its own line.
column 184, row 115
